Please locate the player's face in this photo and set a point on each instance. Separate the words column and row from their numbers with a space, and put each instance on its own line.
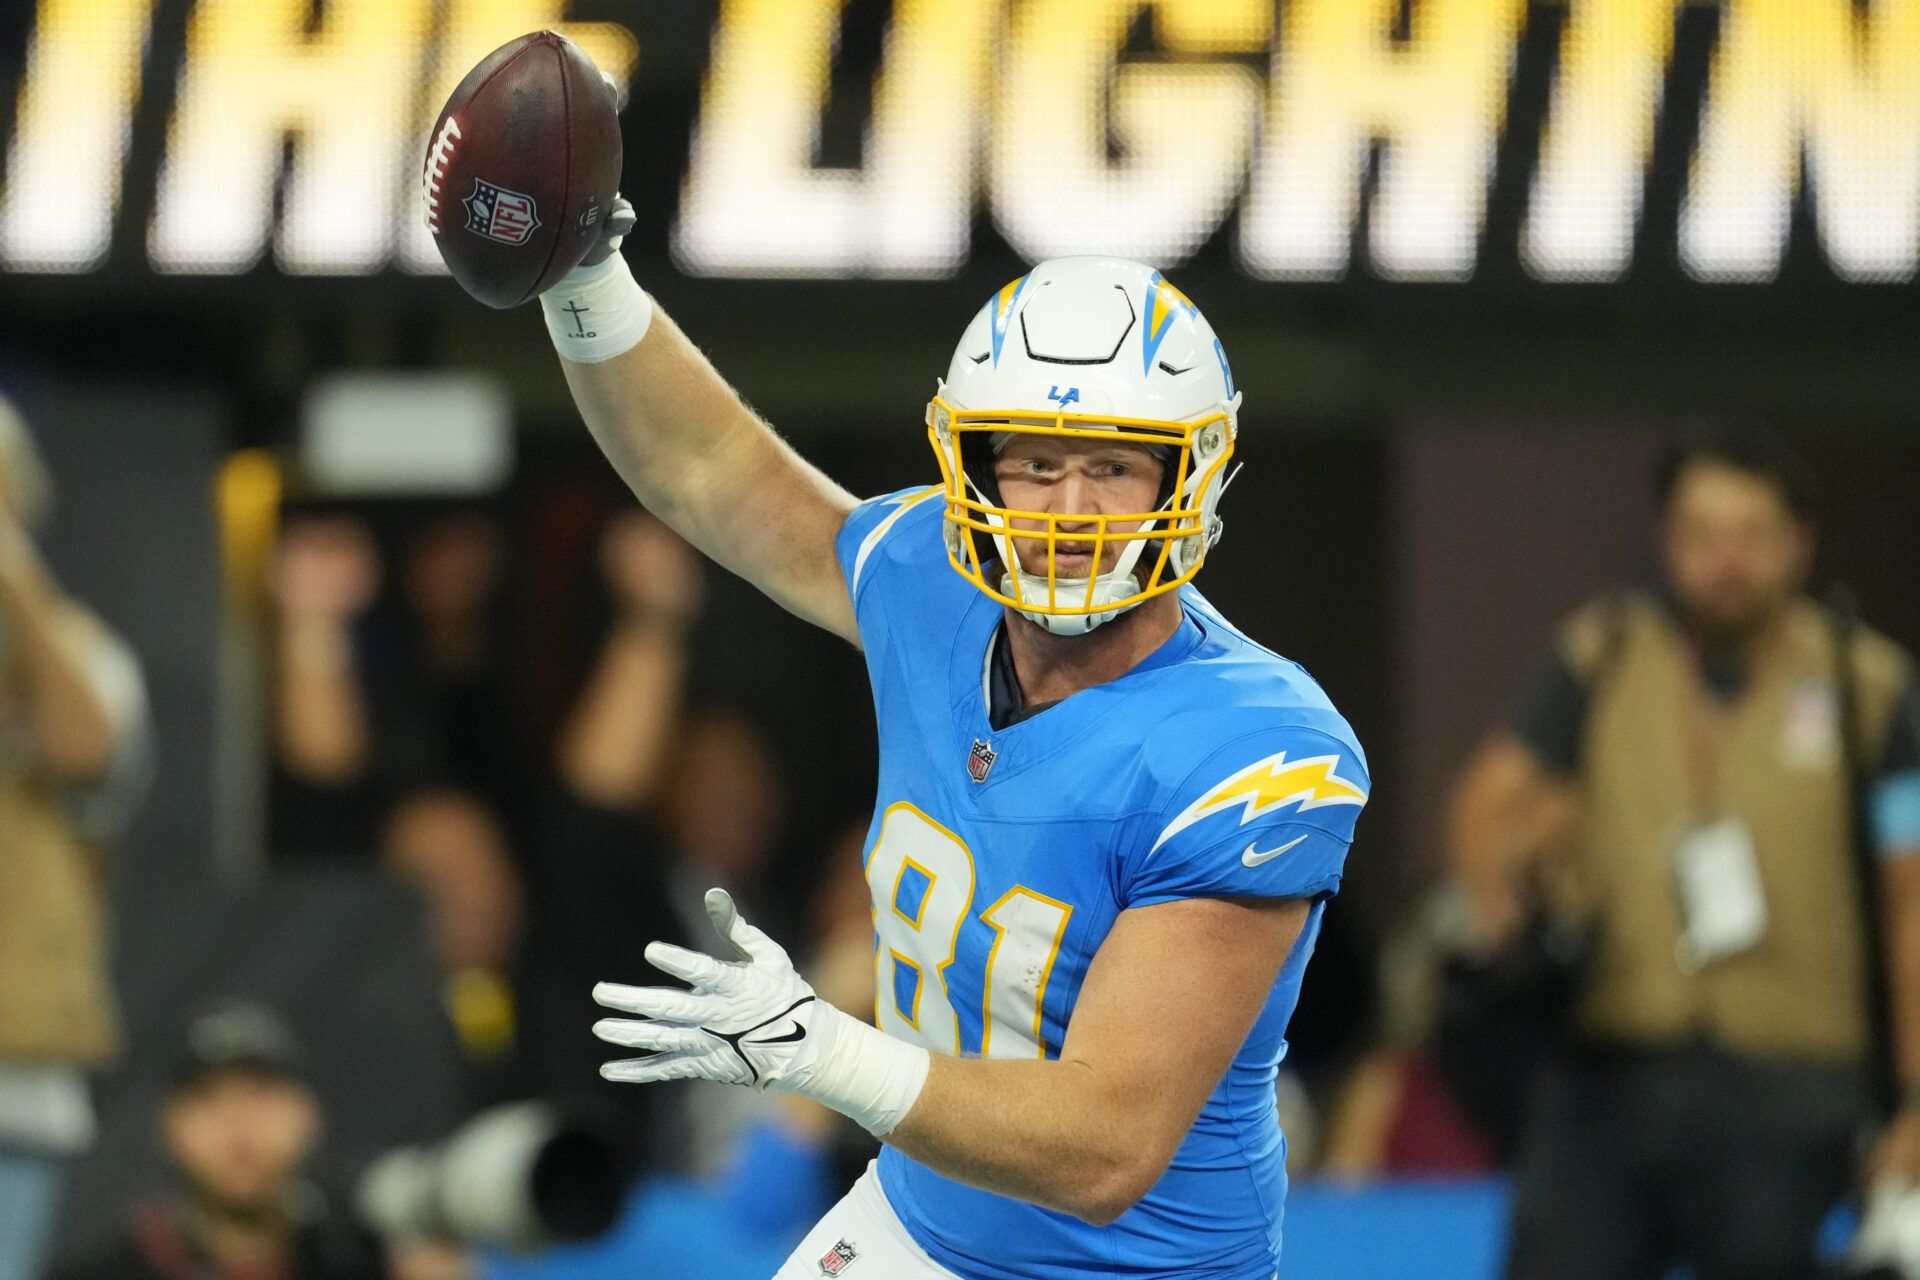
column 1735, row 552
column 1057, row 476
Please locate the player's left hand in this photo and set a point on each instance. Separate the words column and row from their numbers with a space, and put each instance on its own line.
column 751, row 1021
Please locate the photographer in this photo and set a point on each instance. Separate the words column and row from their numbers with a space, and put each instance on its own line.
column 1716, row 779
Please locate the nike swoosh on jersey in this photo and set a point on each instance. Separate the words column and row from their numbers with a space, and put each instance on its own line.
column 1254, row 857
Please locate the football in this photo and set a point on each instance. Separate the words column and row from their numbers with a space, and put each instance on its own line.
column 522, row 165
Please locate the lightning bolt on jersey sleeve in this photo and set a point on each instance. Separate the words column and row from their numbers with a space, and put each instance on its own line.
column 861, row 546
column 1269, row 815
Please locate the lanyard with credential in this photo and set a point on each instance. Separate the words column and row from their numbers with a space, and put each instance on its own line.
column 1722, row 894
column 1710, row 723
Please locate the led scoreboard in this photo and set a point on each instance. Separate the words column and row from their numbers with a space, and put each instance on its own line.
column 1323, row 137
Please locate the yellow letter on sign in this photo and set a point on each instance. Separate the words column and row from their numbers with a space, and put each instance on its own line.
column 1586, row 197
column 755, row 203
column 253, row 75
column 1181, row 126
column 1843, row 85
column 1437, row 104
column 63, row 174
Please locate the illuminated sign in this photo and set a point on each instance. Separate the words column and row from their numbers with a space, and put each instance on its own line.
column 352, row 92
column 1054, row 116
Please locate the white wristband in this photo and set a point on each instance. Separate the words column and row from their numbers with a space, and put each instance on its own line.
column 596, row 313
column 864, row 1074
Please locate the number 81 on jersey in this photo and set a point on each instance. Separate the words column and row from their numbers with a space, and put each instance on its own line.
column 922, row 879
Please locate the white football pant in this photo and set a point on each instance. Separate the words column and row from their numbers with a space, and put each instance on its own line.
column 861, row 1238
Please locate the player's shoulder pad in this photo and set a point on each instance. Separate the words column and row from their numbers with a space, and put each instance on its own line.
column 896, row 522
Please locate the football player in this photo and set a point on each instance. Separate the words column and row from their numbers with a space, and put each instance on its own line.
column 1107, row 824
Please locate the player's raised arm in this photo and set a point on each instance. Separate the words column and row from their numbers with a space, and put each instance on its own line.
column 694, row 453
column 519, row 184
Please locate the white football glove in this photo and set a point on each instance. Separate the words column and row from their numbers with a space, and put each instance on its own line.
column 747, row 1021
column 613, row 233
column 755, row 1021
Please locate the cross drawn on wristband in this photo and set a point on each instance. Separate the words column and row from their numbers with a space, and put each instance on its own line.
column 580, row 329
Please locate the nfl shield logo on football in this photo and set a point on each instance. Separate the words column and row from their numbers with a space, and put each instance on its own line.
column 838, row 1259
column 980, row 761
column 499, row 214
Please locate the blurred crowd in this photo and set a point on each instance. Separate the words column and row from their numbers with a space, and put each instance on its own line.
column 546, row 857
column 545, row 849
column 1670, row 974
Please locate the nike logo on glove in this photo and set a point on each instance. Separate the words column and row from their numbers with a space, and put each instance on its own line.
column 1254, row 857
column 738, row 1042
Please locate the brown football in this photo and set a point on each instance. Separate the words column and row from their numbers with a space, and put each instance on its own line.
column 521, row 168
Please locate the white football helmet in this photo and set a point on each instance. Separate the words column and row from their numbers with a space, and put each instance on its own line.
column 1096, row 348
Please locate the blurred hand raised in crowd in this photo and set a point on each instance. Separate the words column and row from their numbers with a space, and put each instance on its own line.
column 327, row 570
column 651, row 571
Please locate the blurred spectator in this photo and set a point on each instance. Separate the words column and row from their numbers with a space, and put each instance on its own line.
column 598, row 874
column 615, row 750
column 448, row 845
column 239, row 1124
column 724, row 807
column 74, row 756
column 1394, row 1114
column 654, row 807
column 372, row 704
column 1690, row 754
column 453, row 664
column 326, row 801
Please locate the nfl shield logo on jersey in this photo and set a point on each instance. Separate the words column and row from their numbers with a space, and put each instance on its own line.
column 980, row 761
column 838, row 1259
column 500, row 214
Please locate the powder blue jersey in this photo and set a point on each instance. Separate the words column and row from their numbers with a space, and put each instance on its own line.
column 1000, row 859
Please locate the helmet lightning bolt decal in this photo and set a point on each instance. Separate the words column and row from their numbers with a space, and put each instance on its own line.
column 1162, row 301
column 1002, row 305
column 1266, row 785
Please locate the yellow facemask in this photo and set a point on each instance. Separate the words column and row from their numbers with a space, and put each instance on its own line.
column 1160, row 549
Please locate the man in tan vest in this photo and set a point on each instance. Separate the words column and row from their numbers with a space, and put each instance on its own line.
column 1674, row 774
column 73, row 754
